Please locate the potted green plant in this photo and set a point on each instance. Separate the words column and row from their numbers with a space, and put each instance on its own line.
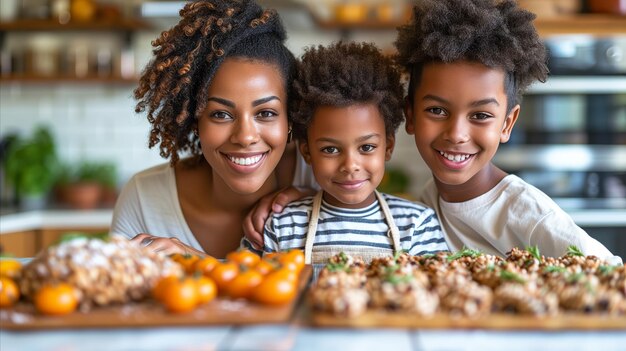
column 31, row 167
column 85, row 185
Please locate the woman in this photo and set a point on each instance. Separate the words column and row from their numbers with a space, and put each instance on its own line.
column 216, row 89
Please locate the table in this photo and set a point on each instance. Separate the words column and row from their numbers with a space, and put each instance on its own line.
column 297, row 338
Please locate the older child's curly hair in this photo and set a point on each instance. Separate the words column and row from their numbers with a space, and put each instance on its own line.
column 344, row 74
column 174, row 84
column 496, row 33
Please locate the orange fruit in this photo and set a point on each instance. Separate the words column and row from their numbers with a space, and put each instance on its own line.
column 56, row 299
column 265, row 266
column 9, row 292
column 10, row 268
column 244, row 257
column 205, row 265
column 223, row 273
column 187, row 262
column 293, row 259
column 243, row 284
column 206, row 289
column 159, row 287
column 275, row 289
column 180, row 296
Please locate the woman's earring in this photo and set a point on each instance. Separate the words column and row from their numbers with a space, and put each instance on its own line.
column 289, row 135
column 195, row 132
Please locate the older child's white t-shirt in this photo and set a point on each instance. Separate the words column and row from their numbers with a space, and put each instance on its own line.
column 512, row 214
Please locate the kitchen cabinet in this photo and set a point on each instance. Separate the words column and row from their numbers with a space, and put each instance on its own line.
column 24, row 234
column 19, row 244
column 29, row 243
column 109, row 65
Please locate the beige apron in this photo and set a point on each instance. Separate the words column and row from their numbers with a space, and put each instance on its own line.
column 321, row 254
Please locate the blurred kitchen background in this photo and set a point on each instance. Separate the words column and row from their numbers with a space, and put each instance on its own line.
column 68, row 69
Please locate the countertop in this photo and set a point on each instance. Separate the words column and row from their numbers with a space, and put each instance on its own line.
column 11, row 222
column 299, row 338
column 55, row 218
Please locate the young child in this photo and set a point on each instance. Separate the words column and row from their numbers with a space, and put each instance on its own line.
column 346, row 110
column 469, row 61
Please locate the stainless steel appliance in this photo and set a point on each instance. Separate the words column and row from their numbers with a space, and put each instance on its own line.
column 570, row 138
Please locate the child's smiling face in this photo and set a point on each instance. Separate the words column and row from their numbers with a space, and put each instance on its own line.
column 347, row 148
column 459, row 119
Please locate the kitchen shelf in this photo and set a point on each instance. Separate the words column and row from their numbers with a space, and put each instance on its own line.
column 92, row 79
column 122, row 27
column 590, row 24
column 28, row 25
column 581, row 85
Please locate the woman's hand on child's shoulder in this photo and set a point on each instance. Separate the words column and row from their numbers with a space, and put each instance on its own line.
column 255, row 219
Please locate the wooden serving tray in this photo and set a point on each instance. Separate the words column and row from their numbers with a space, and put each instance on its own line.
column 221, row 311
column 386, row 319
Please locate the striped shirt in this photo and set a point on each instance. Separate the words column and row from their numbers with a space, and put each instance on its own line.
column 340, row 228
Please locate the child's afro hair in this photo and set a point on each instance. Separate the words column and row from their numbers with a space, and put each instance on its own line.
column 496, row 33
column 344, row 74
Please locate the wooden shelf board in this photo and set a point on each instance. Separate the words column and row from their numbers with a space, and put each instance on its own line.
column 51, row 25
column 33, row 79
column 592, row 24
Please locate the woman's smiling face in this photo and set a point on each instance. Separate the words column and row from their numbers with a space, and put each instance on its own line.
column 243, row 131
column 459, row 119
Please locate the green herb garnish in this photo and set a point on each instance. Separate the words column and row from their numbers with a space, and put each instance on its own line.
column 575, row 277
column 554, row 269
column 510, row 276
column 69, row 236
column 337, row 267
column 428, row 255
column 572, row 250
column 534, row 250
column 396, row 279
column 606, row 269
column 465, row 252
column 397, row 254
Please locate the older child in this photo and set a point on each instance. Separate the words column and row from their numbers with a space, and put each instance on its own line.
column 346, row 110
column 469, row 61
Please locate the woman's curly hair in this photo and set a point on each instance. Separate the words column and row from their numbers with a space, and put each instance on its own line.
column 496, row 33
column 345, row 74
column 174, row 84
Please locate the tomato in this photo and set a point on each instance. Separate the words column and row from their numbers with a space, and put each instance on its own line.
column 265, row 266
column 159, row 287
column 206, row 289
column 244, row 257
column 293, row 259
column 10, row 268
column 244, row 283
column 270, row 256
column 205, row 265
column 275, row 289
column 288, row 273
column 180, row 296
column 186, row 261
column 223, row 273
column 56, row 299
column 9, row 292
